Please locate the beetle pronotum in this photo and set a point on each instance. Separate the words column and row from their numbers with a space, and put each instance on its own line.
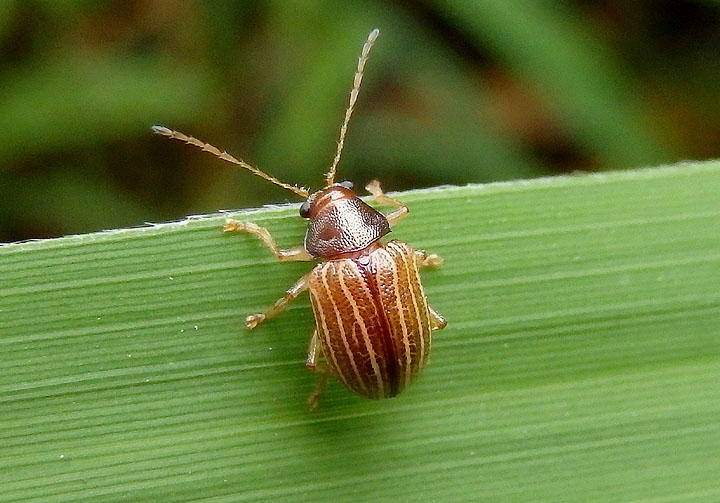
column 372, row 320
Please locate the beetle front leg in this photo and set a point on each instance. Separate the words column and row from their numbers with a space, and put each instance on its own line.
column 379, row 197
column 300, row 286
column 321, row 370
column 294, row 254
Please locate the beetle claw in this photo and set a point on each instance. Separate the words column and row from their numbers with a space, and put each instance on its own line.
column 233, row 226
column 313, row 401
column 253, row 320
column 373, row 187
column 433, row 260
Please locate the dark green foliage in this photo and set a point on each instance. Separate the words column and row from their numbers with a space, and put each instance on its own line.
column 454, row 92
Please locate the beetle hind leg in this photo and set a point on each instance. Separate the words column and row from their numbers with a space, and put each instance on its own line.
column 295, row 254
column 319, row 368
column 437, row 321
column 425, row 259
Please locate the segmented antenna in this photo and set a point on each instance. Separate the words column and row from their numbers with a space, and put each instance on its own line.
column 177, row 135
column 330, row 176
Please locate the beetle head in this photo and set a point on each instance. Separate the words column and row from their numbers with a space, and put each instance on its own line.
column 323, row 197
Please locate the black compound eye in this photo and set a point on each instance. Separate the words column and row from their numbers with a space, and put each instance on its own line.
column 347, row 184
column 305, row 210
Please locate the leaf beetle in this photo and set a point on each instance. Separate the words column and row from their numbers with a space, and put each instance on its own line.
column 372, row 320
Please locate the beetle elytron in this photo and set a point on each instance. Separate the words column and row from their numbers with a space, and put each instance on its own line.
column 372, row 320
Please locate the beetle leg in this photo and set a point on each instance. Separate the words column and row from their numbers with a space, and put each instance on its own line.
column 379, row 197
column 300, row 286
column 295, row 254
column 314, row 399
column 436, row 319
column 313, row 350
column 425, row 259
column 321, row 370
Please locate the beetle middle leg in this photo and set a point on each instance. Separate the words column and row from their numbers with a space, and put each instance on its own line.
column 300, row 286
column 318, row 368
column 379, row 197
column 437, row 320
column 425, row 259
column 294, row 254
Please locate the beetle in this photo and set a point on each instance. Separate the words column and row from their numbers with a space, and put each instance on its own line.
column 372, row 319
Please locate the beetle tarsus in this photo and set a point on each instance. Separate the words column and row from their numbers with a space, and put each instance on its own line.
column 254, row 320
column 314, row 399
column 373, row 187
column 233, row 226
column 425, row 259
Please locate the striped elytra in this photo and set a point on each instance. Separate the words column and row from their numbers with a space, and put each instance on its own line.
column 372, row 320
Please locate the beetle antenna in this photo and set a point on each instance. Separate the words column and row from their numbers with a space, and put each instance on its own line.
column 206, row 147
column 330, row 177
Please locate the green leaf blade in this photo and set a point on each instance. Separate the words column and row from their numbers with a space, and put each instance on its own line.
column 581, row 361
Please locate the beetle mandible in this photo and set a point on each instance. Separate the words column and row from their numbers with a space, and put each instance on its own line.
column 372, row 319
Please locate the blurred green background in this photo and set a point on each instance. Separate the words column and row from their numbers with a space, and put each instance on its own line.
column 454, row 92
